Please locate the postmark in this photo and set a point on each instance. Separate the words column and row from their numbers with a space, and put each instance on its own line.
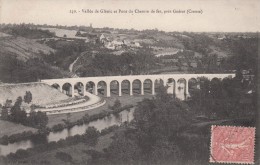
column 231, row 144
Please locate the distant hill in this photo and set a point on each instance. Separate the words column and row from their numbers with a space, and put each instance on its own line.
column 22, row 48
column 22, row 60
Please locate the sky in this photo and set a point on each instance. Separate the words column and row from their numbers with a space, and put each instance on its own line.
column 216, row 16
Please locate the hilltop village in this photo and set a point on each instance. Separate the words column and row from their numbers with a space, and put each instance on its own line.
column 153, row 51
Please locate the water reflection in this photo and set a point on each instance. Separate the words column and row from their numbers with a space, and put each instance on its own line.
column 100, row 124
column 6, row 149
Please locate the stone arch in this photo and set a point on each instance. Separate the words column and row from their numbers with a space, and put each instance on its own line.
column 227, row 85
column 226, row 82
column 215, row 79
column 67, row 89
column 157, row 84
column 102, row 88
column 79, row 88
column 171, row 84
column 91, row 87
column 204, row 82
column 226, row 79
column 56, row 86
column 114, row 87
column 215, row 87
column 148, row 86
column 137, row 87
column 182, row 89
column 193, row 84
column 126, row 87
column 182, row 81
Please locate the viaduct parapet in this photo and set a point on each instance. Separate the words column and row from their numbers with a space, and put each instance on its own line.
column 121, row 83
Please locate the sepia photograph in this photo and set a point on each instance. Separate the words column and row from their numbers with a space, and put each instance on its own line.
column 129, row 82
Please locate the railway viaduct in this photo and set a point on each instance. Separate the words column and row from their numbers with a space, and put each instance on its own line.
column 130, row 84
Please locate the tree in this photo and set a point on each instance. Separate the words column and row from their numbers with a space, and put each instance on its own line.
column 17, row 115
column 5, row 109
column 78, row 33
column 67, row 121
column 150, row 137
column 42, row 119
column 123, row 150
column 37, row 119
column 91, row 136
column 117, row 105
column 28, row 97
column 162, row 94
column 64, row 157
column 4, row 113
column 157, row 118
column 165, row 152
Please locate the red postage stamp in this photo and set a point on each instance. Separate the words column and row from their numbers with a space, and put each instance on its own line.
column 231, row 144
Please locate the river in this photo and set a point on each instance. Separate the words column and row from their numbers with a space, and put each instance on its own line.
column 100, row 124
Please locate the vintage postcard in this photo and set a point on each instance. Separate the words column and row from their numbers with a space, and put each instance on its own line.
column 129, row 82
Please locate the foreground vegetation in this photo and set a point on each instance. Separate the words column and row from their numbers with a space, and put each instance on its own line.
column 89, row 138
column 16, row 114
column 165, row 130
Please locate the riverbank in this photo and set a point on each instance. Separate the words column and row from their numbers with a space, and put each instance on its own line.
column 10, row 128
column 124, row 100
column 76, row 151
column 74, row 146
column 108, row 119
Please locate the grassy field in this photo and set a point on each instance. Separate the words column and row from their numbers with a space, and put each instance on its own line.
column 9, row 128
column 76, row 151
column 39, row 92
column 125, row 100
column 23, row 48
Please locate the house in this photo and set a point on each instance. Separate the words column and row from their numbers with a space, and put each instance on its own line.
column 194, row 64
column 109, row 45
column 137, row 44
column 104, row 38
column 129, row 43
column 170, row 60
column 117, row 42
column 113, row 45
column 185, row 64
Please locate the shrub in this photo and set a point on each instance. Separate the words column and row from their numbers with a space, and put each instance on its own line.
column 117, row 105
column 94, row 154
column 58, row 127
column 15, row 137
column 27, row 97
column 4, row 140
column 108, row 130
column 45, row 162
column 21, row 154
column 64, row 156
column 91, row 136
